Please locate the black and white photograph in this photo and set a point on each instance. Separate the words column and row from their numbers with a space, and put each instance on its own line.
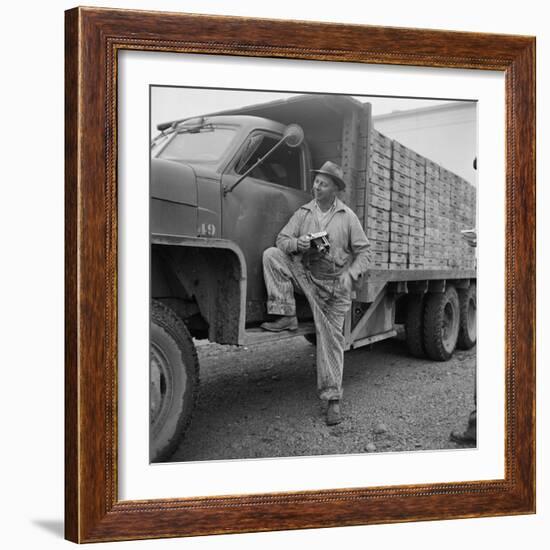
column 312, row 274
column 275, row 275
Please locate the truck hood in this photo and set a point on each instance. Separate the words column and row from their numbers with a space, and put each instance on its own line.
column 174, row 182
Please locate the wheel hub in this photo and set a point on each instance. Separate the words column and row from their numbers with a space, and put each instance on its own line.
column 159, row 386
column 449, row 326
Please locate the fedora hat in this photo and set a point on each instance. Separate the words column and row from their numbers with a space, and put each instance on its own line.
column 331, row 169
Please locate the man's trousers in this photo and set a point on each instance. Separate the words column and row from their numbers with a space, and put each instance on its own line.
column 329, row 302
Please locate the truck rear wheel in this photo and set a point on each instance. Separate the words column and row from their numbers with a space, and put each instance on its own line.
column 441, row 323
column 173, row 382
column 467, row 334
column 414, row 325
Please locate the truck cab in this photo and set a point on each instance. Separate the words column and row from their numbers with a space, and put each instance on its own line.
column 193, row 169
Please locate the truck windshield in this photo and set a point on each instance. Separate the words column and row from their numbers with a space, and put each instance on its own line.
column 205, row 145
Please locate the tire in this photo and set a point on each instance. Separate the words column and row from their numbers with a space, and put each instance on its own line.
column 467, row 333
column 441, row 324
column 414, row 325
column 173, row 381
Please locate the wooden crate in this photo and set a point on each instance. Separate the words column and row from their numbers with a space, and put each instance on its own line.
column 416, row 259
column 418, row 174
column 434, row 187
column 399, row 187
column 399, row 198
column 432, row 169
column 418, row 223
column 379, row 257
column 417, row 250
column 400, row 149
column 396, row 227
column 445, row 175
column 430, row 239
column 416, row 212
column 381, row 143
column 400, row 167
column 380, row 170
column 400, row 178
column 401, row 248
column 380, row 180
column 398, row 258
column 377, row 235
column 419, row 160
column 432, row 202
column 415, row 241
column 378, row 213
column 417, row 231
column 378, row 224
column 379, row 246
column 417, row 194
column 379, row 202
column 400, row 208
column 433, row 263
column 400, row 218
column 379, row 191
column 381, row 159
column 417, row 203
column 400, row 156
column 399, row 238
column 432, row 221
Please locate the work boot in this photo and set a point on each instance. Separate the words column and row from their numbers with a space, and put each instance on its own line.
column 333, row 412
column 284, row 322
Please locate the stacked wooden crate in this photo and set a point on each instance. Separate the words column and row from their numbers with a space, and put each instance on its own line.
column 400, row 220
column 416, row 210
column 417, row 240
column 435, row 205
column 463, row 208
column 378, row 198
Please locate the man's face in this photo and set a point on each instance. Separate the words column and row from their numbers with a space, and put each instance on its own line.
column 324, row 188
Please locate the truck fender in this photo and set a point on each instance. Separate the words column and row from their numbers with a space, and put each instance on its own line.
column 211, row 272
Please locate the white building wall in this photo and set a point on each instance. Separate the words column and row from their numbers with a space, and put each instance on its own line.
column 446, row 134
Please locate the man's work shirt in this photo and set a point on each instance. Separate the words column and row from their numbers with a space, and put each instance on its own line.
column 324, row 217
column 349, row 246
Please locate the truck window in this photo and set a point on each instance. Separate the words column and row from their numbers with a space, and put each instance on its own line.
column 205, row 145
column 283, row 167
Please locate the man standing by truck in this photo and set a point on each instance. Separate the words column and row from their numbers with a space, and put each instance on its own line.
column 322, row 253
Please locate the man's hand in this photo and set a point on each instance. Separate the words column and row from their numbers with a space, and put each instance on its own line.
column 346, row 281
column 470, row 236
column 304, row 243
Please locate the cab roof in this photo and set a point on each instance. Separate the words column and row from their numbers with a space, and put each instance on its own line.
column 300, row 109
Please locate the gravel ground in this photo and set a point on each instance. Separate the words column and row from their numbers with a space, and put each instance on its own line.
column 261, row 402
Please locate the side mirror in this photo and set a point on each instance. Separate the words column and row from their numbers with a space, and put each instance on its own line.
column 293, row 135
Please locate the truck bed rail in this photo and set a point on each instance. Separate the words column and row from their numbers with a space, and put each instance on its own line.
column 388, row 275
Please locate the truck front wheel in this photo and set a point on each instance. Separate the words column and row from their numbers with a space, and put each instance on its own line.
column 174, row 381
column 441, row 323
column 468, row 311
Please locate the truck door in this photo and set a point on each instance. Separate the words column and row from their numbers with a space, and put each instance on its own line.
column 257, row 209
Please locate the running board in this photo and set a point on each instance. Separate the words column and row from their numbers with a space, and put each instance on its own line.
column 260, row 336
column 374, row 338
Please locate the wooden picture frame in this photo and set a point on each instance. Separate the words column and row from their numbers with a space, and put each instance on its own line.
column 93, row 511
